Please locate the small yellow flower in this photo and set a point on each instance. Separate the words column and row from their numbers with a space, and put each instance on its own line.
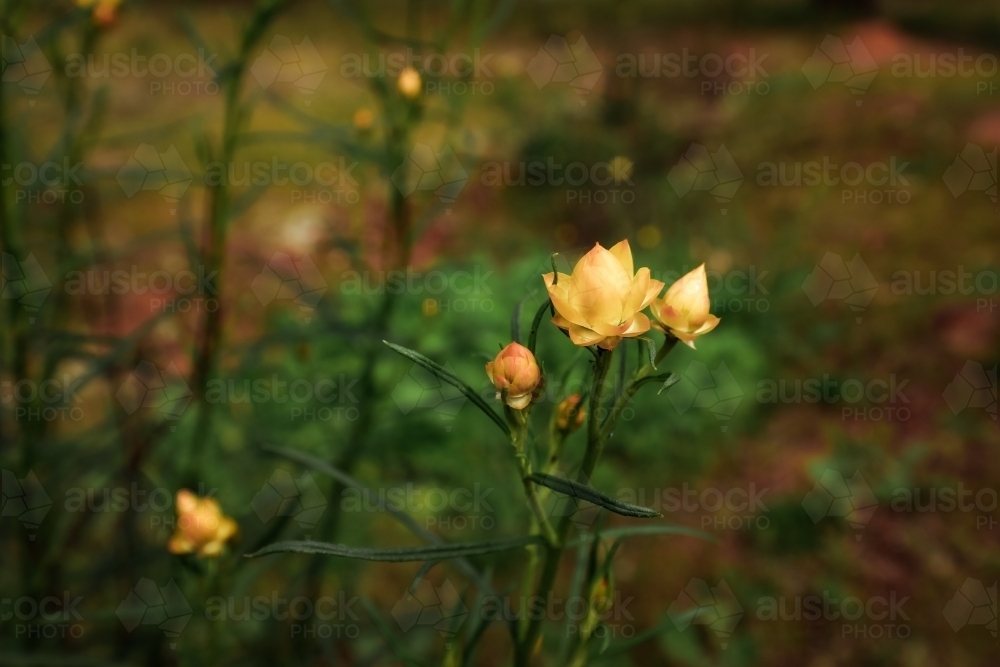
column 363, row 119
column 600, row 303
column 565, row 410
column 104, row 11
column 409, row 82
column 515, row 370
column 201, row 526
column 683, row 310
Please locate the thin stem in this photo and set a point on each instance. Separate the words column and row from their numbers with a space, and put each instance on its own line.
column 553, row 555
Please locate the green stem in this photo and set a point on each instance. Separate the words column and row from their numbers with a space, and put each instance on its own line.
column 553, row 554
column 519, row 433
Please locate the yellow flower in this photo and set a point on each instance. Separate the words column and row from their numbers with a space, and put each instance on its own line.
column 201, row 526
column 104, row 11
column 565, row 410
column 363, row 119
column 683, row 310
column 601, row 302
column 515, row 370
column 409, row 82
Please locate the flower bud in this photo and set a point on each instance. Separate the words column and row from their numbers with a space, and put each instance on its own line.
column 683, row 310
column 201, row 526
column 409, row 83
column 515, row 370
column 565, row 411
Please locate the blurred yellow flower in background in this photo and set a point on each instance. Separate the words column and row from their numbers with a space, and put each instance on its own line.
column 515, row 370
column 363, row 118
column 409, row 82
column 201, row 526
column 683, row 310
column 600, row 303
column 104, row 11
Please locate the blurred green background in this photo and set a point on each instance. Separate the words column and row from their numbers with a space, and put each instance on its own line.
column 841, row 192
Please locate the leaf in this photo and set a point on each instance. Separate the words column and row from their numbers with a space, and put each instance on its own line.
column 454, row 381
column 421, row 573
column 650, row 348
column 515, row 319
column 635, row 531
column 405, row 519
column 592, row 495
column 671, row 380
column 537, row 322
column 398, row 554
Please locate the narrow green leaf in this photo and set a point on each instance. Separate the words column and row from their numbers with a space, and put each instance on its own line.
column 399, row 554
column 537, row 322
column 671, row 380
column 592, row 495
column 405, row 519
column 454, row 381
column 515, row 319
column 421, row 573
column 636, row 531
column 650, row 348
